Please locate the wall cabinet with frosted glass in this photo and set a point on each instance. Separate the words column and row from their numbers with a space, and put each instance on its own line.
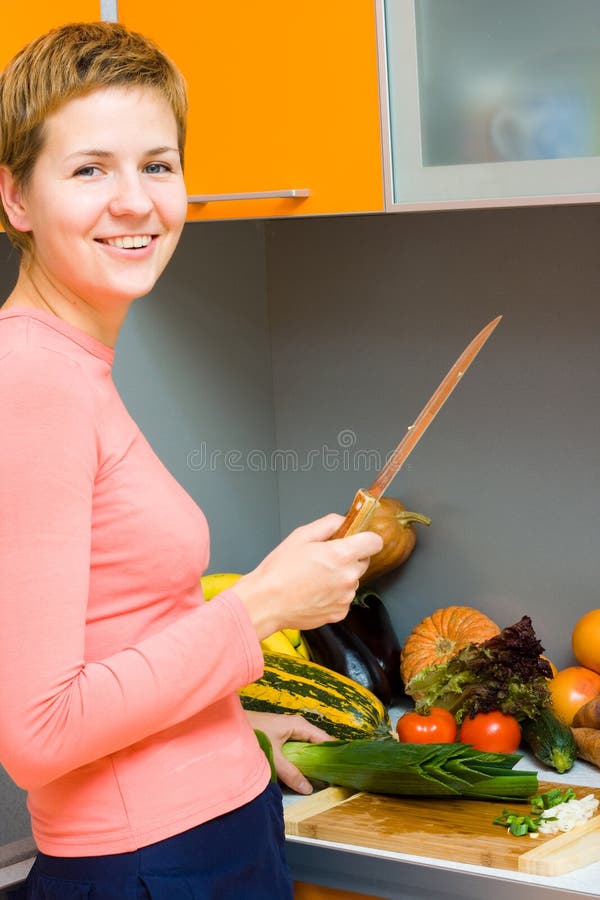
column 489, row 104
column 482, row 103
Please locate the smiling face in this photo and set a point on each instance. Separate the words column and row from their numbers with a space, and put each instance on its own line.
column 106, row 201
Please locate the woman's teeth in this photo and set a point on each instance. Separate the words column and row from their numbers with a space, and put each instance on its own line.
column 129, row 243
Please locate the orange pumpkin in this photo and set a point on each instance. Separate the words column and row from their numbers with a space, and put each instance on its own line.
column 441, row 635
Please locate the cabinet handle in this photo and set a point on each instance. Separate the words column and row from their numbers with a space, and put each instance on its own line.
column 250, row 195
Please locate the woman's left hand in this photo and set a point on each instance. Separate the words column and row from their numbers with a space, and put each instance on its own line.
column 280, row 728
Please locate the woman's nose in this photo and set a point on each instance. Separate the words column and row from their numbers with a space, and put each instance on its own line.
column 130, row 197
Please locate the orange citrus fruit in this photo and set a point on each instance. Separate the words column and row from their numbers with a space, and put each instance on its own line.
column 570, row 689
column 585, row 640
column 553, row 668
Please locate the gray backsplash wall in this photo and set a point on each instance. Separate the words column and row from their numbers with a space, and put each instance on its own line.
column 364, row 316
column 367, row 315
column 193, row 365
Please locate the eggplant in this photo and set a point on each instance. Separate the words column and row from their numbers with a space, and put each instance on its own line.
column 338, row 648
column 369, row 620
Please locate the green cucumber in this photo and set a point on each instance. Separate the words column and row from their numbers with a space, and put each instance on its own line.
column 550, row 741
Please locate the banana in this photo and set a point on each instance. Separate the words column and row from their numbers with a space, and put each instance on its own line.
column 278, row 643
column 214, row 584
column 302, row 649
column 288, row 641
column 293, row 635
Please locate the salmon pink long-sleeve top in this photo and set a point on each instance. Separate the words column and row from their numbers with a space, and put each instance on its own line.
column 119, row 711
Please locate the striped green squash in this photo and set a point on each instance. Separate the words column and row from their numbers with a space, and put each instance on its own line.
column 341, row 707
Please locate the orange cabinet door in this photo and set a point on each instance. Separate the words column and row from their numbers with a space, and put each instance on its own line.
column 22, row 23
column 283, row 98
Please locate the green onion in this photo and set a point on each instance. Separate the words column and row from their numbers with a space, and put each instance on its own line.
column 433, row 770
column 552, row 798
column 519, row 824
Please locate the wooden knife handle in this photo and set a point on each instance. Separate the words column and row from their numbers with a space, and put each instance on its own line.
column 358, row 515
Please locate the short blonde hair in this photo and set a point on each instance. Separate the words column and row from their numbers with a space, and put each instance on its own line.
column 69, row 62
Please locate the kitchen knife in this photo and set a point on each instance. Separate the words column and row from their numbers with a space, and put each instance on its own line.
column 365, row 501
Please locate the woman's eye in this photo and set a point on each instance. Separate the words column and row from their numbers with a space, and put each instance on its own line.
column 156, row 168
column 87, row 171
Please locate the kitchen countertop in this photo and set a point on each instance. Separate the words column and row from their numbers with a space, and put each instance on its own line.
column 16, row 859
column 400, row 875
column 403, row 876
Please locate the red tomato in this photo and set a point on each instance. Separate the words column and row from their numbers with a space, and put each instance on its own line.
column 436, row 727
column 493, row 732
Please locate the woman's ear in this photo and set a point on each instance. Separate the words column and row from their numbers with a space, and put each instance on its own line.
column 12, row 200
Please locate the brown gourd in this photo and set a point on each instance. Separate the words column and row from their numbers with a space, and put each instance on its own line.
column 588, row 744
column 441, row 635
column 394, row 523
column 588, row 716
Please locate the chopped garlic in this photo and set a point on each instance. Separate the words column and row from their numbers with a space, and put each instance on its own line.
column 567, row 815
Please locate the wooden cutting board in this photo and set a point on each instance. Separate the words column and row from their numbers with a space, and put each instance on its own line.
column 458, row 830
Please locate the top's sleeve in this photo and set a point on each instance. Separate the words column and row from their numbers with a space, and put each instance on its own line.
column 57, row 711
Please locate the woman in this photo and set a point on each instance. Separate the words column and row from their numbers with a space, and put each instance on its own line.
column 119, row 711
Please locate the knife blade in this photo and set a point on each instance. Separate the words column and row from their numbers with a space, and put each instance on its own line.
column 365, row 501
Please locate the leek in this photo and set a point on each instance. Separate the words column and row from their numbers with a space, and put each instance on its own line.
column 267, row 748
column 433, row 770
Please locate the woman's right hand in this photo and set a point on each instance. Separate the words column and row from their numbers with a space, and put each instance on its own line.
column 307, row 580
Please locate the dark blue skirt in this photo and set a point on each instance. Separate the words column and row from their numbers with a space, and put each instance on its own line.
column 238, row 855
